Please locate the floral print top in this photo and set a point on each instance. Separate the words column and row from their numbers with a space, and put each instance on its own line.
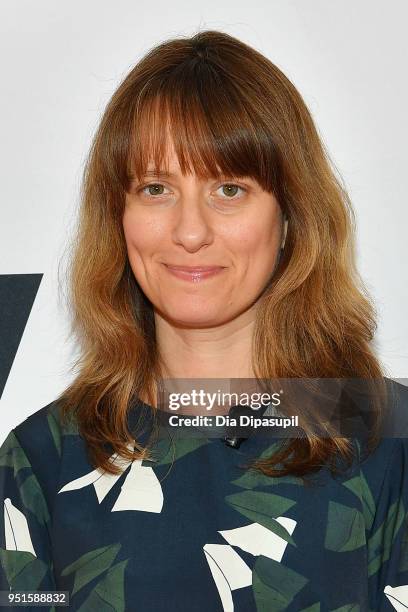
column 194, row 531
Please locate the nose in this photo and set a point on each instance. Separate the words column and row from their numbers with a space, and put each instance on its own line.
column 192, row 225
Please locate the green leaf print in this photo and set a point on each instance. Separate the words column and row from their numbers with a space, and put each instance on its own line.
column 67, row 426
column 403, row 566
column 24, row 571
column 274, row 585
column 359, row 486
column 380, row 543
column 91, row 564
column 263, row 508
column 12, row 455
column 16, row 459
column 33, row 499
column 345, row 528
column 9, row 443
column 55, row 431
column 314, row 608
column 348, row 608
column 166, row 451
column 253, row 479
column 30, row 491
column 109, row 594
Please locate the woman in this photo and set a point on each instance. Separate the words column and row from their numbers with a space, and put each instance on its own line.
column 207, row 156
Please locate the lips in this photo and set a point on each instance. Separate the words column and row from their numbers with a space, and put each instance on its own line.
column 192, row 269
column 194, row 273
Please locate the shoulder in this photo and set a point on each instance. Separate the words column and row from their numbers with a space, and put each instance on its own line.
column 392, row 448
column 384, row 470
column 38, row 444
column 387, row 463
column 398, row 402
column 42, row 431
column 380, row 474
column 394, row 433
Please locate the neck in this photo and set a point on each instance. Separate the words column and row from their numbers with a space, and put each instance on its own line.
column 223, row 351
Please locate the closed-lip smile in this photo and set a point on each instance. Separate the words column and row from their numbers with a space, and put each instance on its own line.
column 195, row 274
column 194, row 268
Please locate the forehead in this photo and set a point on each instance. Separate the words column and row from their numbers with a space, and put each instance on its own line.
column 163, row 160
column 163, row 141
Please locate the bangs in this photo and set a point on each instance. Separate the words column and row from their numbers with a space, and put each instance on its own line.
column 212, row 124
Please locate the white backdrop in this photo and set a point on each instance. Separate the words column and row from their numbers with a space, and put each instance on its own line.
column 60, row 63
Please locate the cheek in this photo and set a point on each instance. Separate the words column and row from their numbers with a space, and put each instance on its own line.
column 257, row 241
column 141, row 234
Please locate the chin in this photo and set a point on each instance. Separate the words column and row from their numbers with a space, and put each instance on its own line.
column 190, row 319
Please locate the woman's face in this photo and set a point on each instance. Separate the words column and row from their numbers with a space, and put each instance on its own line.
column 183, row 221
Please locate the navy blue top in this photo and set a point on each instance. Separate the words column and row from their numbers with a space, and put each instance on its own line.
column 194, row 531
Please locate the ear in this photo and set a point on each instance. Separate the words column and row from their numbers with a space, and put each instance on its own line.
column 284, row 231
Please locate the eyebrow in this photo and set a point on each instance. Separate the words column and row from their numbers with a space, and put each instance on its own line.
column 159, row 173
column 153, row 173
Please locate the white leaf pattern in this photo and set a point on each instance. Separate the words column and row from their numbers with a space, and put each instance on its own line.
column 259, row 540
column 17, row 533
column 255, row 539
column 398, row 597
column 229, row 571
column 102, row 481
column 141, row 489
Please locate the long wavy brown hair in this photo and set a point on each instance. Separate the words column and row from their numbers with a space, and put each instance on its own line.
column 229, row 110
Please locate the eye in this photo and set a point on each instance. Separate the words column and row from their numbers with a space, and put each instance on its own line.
column 230, row 190
column 154, row 189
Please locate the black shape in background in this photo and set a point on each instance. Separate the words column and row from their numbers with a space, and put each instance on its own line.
column 17, row 295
